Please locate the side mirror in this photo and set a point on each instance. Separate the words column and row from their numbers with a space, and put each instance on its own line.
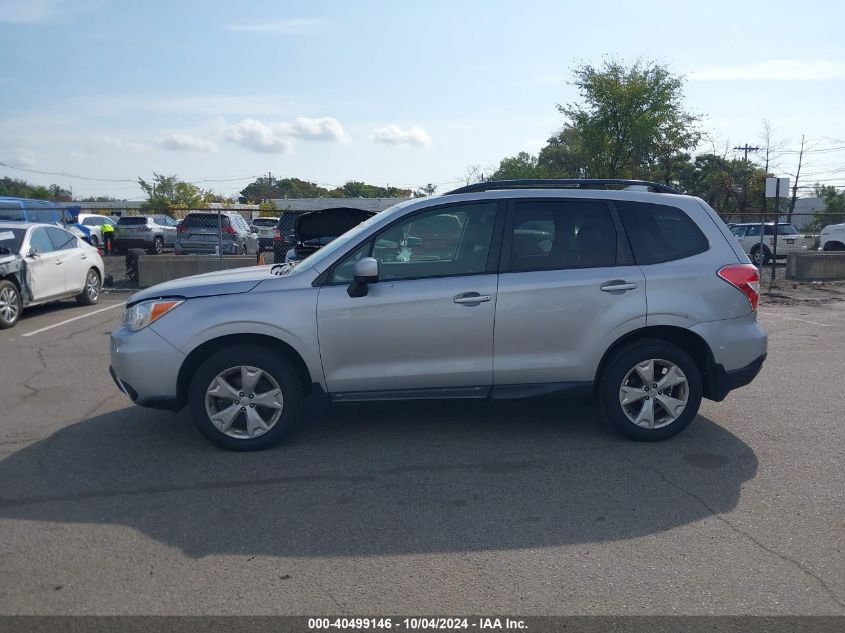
column 364, row 273
column 33, row 252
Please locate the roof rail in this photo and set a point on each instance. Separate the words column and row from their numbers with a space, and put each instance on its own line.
column 561, row 183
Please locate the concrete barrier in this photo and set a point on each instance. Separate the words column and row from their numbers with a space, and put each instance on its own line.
column 815, row 266
column 155, row 269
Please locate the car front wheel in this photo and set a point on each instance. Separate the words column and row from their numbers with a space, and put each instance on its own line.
column 10, row 304
column 244, row 398
column 650, row 390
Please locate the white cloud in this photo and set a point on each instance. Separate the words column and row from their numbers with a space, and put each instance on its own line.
column 39, row 11
column 292, row 26
column 109, row 143
column 394, row 135
column 773, row 70
column 187, row 143
column 18, row 157
column 277, row 138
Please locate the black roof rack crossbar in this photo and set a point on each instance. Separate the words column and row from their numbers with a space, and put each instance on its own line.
column 561, row 183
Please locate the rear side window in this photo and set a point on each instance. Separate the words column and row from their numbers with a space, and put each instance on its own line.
column 47, row 216
column 62, row 240
column 133, row 221
column 11, row 212
column 660, row 233
column 560, row 234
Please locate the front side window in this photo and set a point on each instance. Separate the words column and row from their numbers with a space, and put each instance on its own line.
column 40, row 241
column 561, row 234
column 441, row 242
column 659, row 233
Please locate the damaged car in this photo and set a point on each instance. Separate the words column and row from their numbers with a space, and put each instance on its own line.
column 40, row 263
column 314, row 229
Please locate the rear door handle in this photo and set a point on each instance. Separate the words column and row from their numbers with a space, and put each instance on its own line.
column 616, row 286
column 58, row 262
column 471, row 297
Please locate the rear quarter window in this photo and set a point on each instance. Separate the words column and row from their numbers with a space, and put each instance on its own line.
column 659, row 233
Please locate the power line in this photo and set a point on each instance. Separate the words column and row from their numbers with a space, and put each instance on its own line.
column 746, row 148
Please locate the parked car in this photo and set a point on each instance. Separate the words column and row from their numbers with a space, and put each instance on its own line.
column 40, row 263
column 284, row 238
column 789, row 240
column 642, row 299
column 832, row 238
column 204, row 232
column 314, row 229
column 264, row 227
column 153, row 232
column 94, row 223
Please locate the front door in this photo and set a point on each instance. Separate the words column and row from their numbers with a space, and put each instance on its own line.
column 45, row 274
column 567, row 291
column 426, row 327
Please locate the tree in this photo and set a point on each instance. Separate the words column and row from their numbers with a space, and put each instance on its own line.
column 834, row 206
column 21, row 189
column 630, row 122
column 427, row 190
column 168, row 192
column 523, row 165
column 563, row 156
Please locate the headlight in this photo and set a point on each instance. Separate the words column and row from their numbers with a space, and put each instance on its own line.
column 142, row 314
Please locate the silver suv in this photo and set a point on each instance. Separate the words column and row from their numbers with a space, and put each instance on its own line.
column 640, row 297
column 150, row 232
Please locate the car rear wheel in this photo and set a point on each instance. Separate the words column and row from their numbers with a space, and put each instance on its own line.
column 90, row 294
column 10, row 304
column 760, row 257
column 650, row 390
column 157, row 247
column 244, row 398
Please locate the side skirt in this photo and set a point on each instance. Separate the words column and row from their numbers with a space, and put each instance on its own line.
column 497, row 392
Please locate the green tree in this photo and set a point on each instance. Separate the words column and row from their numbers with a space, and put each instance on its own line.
column 630, row 121
column 426, row 190
column 564, row 156
column 22, row 189
column 521, row 166
column 834, row 206
column 168, row 192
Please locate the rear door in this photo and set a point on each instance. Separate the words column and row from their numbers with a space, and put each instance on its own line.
column 568, row 289
column 76, row 258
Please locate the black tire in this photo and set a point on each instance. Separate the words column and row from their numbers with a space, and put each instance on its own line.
column 158, row 246
column 755, row 256
column 90, row 296
column 9, row 292
column 254, row 356
column 834, row 246
column 625, row 360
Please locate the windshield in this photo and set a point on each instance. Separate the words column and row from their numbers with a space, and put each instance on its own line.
column 344, row 240
column 10, row 240
column 787, row 229
column 265, row 222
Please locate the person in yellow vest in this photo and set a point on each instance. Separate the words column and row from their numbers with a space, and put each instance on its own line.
column 107, row 229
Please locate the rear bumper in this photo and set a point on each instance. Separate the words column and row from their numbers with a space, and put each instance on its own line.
column 723, row 381
column 229, row 248
column 132, row 242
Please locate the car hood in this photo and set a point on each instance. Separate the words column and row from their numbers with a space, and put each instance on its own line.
column 221, row 282
column 328, row 223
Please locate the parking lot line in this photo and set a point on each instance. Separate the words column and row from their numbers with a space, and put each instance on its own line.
column 783, row 316
column 66, row 321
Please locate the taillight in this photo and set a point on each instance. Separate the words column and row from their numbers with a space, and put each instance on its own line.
column 277, row 235
column 230, row 229
column 745, row 278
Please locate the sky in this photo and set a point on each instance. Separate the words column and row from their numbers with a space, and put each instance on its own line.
column 391, row 93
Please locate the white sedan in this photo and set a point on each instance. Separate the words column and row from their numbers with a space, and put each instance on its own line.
column 40, row 263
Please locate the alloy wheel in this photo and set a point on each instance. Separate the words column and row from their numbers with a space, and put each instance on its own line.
column 9, row 305
column 244, row 402
column 654, row 393
column 92, row 286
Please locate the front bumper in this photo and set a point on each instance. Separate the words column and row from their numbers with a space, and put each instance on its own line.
column 145, row 367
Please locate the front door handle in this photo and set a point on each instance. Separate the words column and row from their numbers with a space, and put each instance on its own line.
column 617, row 286
column 58, row 262
column 471, row 298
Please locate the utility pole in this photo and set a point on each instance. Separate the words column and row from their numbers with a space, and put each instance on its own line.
column 746, row 148
column 269, row 185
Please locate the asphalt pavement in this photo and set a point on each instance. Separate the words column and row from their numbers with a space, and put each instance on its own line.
column 519, row 507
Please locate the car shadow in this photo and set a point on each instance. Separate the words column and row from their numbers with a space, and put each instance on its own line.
column 376, row 479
